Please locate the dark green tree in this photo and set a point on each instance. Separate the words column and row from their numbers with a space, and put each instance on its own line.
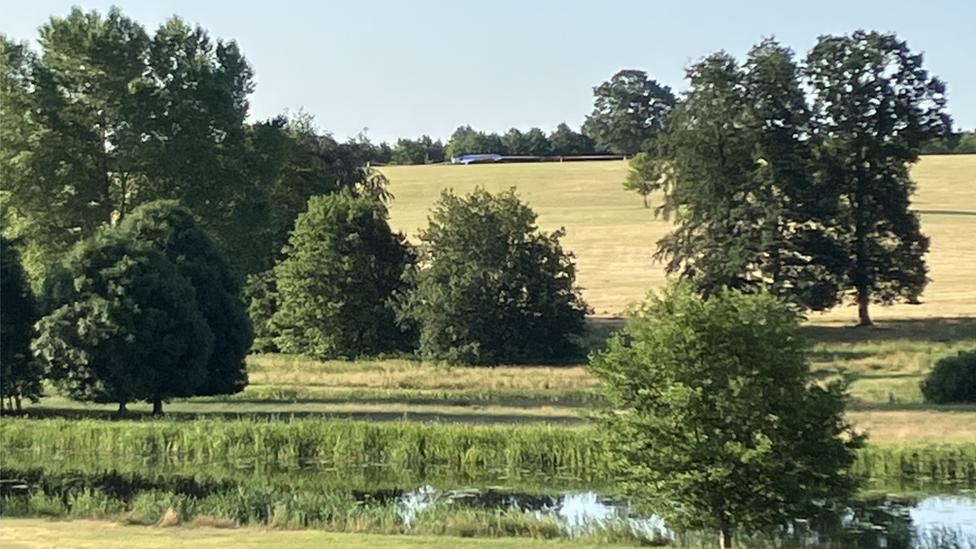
column 490, row 287
column 514, row 141
column 875, row 107
column 628, row 109
column 123, row 325
column 566, row 142
column 408, row 152
column 736, row 164
column 171, row 229
column 952, row 381
column 20, row 376
column 716, row 422
column 536, row 142
column 335, row 285
column 463, row 141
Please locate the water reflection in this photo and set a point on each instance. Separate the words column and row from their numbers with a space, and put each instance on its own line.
column 881, row 522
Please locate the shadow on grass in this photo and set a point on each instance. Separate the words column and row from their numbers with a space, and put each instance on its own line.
column 936, row 329
column 423, row 417
column 858, row 405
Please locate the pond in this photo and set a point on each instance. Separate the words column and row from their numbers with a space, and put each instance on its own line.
column 929, row 521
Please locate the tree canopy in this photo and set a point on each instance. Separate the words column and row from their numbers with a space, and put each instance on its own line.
column 120, row 117
column 172, row 230
column 875, row 107
column 123, row 325
column 336, row 282
column 715, row 421
column 628, row 109
column 490, row 287
column 736, row 165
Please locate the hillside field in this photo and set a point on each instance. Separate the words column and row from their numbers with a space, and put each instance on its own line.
column 614, row 237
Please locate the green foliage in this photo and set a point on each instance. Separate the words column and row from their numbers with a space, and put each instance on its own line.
column 490, row 287
column 876, row 107
column 955, row 143
column 736, row 167
column 20, row 376
column 171, row 229
column 566, row 142
column 421, row 151
column 120, row 117
column 644, row 176
column 628, row 109
column 716, row 423
column 953, row 380
column 122, row 325
column 334, row 287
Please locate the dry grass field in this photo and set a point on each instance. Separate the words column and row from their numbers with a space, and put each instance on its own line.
column 614, row 237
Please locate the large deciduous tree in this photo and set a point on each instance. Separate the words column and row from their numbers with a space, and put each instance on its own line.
column 123, row 325
column 716, row 422
column 108, row 116
column 336, row 282
column 875, row 108
column 20, row 377
column 736, row 164
column 171, row 229
column 628, row 109
column 490, row 287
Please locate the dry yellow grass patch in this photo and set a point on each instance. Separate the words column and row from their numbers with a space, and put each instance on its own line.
column 614, row 237
column 916, row 425
column 392, row 374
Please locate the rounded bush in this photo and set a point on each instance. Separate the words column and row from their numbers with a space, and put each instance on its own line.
column 953, row 379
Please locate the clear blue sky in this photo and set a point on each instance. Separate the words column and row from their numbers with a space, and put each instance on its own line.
column 406, row 68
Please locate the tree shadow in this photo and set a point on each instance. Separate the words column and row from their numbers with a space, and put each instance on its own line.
column 423, row 417
column 930, row 330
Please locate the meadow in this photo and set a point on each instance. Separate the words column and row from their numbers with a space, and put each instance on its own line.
column 614, row 237
column 306, row 433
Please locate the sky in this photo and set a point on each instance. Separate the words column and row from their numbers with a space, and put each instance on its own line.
column 398, row 68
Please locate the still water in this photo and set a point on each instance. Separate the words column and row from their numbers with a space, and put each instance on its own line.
column 872, row 523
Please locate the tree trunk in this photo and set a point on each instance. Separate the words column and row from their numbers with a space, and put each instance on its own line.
column 645, row 202
column 18, row 401
column 863, row 300
column 122, row 409
column 724, row 534
column 157, row 407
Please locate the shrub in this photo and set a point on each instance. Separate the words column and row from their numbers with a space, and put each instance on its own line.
column 491, row 288
column 952, row 380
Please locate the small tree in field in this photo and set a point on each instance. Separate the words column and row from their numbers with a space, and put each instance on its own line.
column 124, row 325
column 335, row 285
column 491, row 288
column 716, row 422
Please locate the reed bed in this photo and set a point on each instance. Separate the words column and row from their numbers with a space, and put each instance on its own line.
column 543, row 448
column 459, row 451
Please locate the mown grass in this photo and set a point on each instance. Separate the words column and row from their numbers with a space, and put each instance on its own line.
column 614, row 237
column 19, row 533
